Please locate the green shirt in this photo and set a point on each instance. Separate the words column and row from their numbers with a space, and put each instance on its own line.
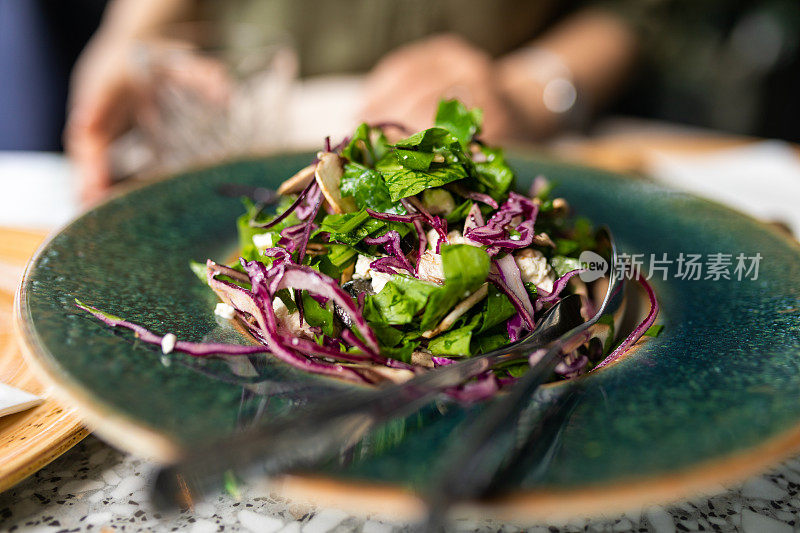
column 350, row 36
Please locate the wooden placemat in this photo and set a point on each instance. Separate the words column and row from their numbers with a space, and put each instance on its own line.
column 30, row 439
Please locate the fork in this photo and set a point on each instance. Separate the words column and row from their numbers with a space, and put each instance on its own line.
column 305, row 438
column 487, row 448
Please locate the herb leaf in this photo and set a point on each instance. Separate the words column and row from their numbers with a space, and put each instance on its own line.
column 368, row 189
column 453, row 342
column 453, row 116
column 494, row 173
column 414, row 160
column 403, row 182
column 465, row 269
column 317, row 315
column 366, row 147
column 351, row 228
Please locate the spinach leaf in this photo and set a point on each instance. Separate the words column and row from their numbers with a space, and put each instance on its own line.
column 488, row 342
column 286, row 297
column 387, row 335
column 322, row 263
column 404, row 182
column 654, row 330
column 366, row 147
column 532, row 289
column 453, row 116
column 494, row 173
column 400, row 300
column 317, row 315
column 345, row 223
column 412, row 167
column 341, row 254
column 460, row 212
column 453, row 342
column 368, row 189
column 582, row 238
column 401, row 352
column 518, row 370
column 351, row 228
column 413, row 159
column 465, row 269
column 253, row 212
column 428, row 140
column 497, row 308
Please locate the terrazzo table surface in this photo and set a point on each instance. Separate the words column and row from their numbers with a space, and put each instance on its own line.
column 94, row 487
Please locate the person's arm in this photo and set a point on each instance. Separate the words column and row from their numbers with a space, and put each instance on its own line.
column 524, row 94
column 101, row 91
column 572, row 69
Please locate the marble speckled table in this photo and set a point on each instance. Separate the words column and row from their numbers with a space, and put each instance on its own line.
column 94, row 487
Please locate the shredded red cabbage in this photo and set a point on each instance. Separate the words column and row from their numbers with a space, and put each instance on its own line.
column 509, row 280
column 637, row 333
column 572, row 367
column 197, row 349
column 396, row 258
column 559, row 285
column 391, row 217
column 495, row 233
column 484, row 386
column 299, row 200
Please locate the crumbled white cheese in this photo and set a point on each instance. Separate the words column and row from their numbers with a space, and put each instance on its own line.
column 262, row 241
column 279, row 306
column 534, row 269
column 168, row 343
column 430, row 267
column 225, row 311
column 379, row 280
column 363, row 271
column 433, row 238
column 453, row 237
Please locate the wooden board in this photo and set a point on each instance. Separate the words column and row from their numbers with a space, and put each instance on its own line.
column 31, row 439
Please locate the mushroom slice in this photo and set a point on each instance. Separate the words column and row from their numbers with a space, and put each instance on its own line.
column 329, row 177
column 420, row 358
column 299, row 181
column 379, row 373
column 543, row 239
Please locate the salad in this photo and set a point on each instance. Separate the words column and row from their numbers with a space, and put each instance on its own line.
column 388, row 258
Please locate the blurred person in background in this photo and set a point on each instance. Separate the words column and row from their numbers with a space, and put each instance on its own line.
column 39, row 43
column 534, row 67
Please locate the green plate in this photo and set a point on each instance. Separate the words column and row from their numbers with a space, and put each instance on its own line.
column 714, row 397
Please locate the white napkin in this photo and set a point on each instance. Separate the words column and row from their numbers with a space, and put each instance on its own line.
column 761, row 179
column 37, row 190
column 14, row 400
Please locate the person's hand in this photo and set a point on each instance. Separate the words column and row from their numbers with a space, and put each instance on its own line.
column 408, row 83
column 144, row 83
column 101, row 100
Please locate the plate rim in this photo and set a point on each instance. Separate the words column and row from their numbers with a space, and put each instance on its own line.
column 706, row 477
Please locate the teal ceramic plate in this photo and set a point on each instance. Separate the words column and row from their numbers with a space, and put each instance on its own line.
column 713, row 398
